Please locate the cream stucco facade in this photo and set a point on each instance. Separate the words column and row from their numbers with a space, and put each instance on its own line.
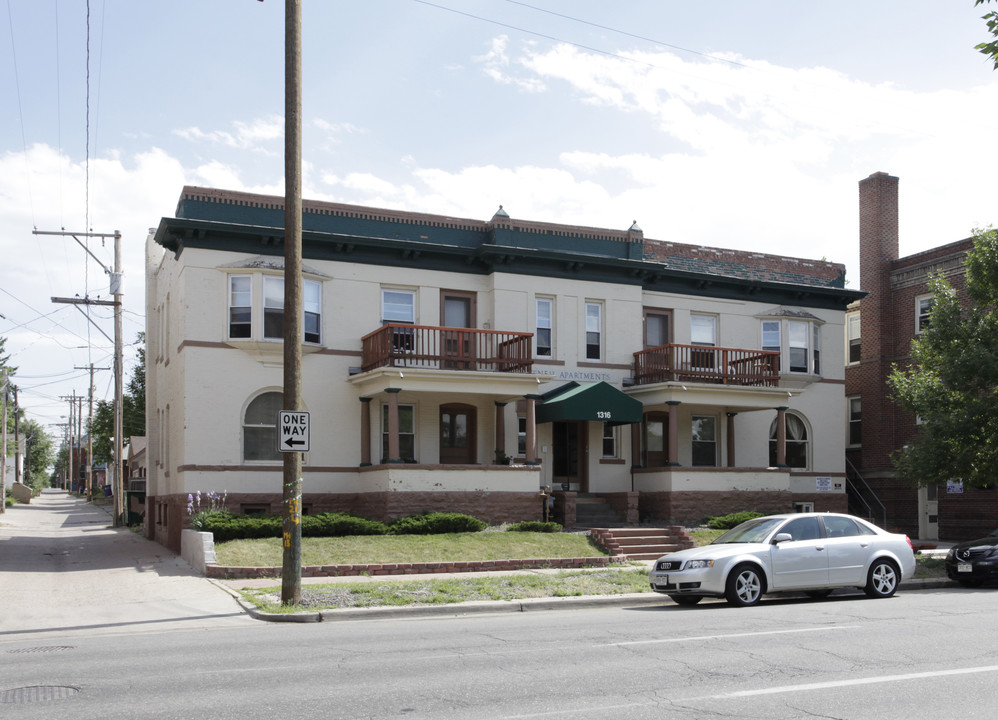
column 437, row 339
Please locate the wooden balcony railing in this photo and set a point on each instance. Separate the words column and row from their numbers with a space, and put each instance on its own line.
column 705, row 364
column 446, row 348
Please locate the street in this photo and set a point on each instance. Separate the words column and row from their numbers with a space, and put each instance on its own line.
column 921, row 654
column 926, row 653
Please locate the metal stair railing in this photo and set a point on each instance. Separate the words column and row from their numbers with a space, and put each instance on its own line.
column 861, row 492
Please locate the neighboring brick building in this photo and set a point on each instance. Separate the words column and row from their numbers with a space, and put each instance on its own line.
column 879, row 331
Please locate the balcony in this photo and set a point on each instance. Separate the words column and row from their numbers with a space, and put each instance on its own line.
column 704, row 364
column 447, row 348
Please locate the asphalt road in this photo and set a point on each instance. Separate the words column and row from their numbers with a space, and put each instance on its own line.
column 924, row 654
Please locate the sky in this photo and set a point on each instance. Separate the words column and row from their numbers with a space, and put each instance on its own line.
column 731, row 124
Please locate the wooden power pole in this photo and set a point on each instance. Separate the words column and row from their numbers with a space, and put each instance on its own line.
column 291, row 569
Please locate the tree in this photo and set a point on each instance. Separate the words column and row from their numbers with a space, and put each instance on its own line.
column 990, row 48
column 133, row 409
column 951, row 383
column 38, row 454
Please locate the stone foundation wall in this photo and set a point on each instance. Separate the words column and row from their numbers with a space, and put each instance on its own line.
column 691, row 508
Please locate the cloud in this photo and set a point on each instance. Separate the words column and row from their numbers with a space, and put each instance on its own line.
column 496, row 65
column 257, row 135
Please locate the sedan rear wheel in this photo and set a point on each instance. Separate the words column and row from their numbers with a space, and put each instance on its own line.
column 745, row 586
column 882, row 582
column 685, row 599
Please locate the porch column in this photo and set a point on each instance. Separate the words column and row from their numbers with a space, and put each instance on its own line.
column 731, row 439
column 500, row 430
column 673, row 432
column 781, row 437
column 393, row 425
column 636, row 445
column 531, row 450
column 365, row 431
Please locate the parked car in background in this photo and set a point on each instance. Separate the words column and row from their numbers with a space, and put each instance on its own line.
column 974, row 562
column 808, row 552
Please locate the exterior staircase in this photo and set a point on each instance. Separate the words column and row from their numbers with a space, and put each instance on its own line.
column 642, row 543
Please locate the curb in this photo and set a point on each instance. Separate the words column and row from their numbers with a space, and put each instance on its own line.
column 486, row 607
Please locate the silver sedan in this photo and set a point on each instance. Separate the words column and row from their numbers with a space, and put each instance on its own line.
column 807, row 552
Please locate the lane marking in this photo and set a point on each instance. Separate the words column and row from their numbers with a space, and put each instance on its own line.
column 851, row 683
column 701, row 638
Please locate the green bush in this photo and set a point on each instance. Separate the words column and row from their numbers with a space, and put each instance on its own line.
column 534, row 526
column 226, row 526
column 726, row 522
column 340, row 525
column 436, row 524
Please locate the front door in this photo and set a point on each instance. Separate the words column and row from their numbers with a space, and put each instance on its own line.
column 928, row 512
column 458, row 348
column 568, row 442
column 457, row 434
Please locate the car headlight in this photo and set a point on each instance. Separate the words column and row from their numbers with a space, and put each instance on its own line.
column 951, row 554
column 699, row 564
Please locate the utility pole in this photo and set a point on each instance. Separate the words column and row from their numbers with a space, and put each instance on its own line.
column 17, row 441
column 118, row 484
column 291, row 569
column 3, row 454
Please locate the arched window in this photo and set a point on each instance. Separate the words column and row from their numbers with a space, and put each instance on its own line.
column 797, row 449
column 260, row 427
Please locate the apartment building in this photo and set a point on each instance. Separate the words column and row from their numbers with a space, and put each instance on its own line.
column 466, row 365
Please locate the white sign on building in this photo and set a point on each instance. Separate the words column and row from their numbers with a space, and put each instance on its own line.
column 294, row 431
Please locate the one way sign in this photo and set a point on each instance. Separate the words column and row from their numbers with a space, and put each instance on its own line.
column 294, row 431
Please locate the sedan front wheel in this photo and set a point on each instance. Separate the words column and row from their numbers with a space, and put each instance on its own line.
column 883, row 580
column 745, row 586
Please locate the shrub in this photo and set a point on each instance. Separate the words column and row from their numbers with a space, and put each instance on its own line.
column 534, row 526
column 227, row 526
column 340, row 525
column 726, row 522
column 436, row 524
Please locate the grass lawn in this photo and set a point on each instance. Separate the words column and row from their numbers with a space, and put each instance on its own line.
column 377, row 549
column 457, row 546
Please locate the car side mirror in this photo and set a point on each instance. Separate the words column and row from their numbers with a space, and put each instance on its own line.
column 782, row 537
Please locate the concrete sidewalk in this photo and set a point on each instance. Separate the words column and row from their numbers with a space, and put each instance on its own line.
column 64, row 570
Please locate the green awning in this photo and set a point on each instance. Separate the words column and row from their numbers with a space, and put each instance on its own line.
column 599, row 402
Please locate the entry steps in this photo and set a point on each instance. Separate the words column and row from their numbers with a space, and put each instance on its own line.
column 640, row 543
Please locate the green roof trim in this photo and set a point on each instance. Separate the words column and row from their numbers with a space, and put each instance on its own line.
column 599, row 402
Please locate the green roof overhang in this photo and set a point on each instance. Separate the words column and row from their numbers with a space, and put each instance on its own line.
column 599, row 402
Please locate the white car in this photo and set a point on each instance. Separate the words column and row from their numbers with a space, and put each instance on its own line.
column 806, row 552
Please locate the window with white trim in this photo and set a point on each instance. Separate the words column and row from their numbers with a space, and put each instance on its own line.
column 923, row 312
column 853, row 338
column 594, row 330
column 609, row 440
column 703, row 331
column 543, row 333
column 855, row 421
column 797, row 442
column 273, row 307
column 704, row 440
column 407, row 433
column 240, row 306
column 398, row 306
column 260, row 427
column 270, row 322
column 797, row 341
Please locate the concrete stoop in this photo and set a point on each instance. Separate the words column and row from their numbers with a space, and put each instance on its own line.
column 642, row 543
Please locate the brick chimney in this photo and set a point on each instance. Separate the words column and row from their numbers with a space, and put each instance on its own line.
column 878, row 248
